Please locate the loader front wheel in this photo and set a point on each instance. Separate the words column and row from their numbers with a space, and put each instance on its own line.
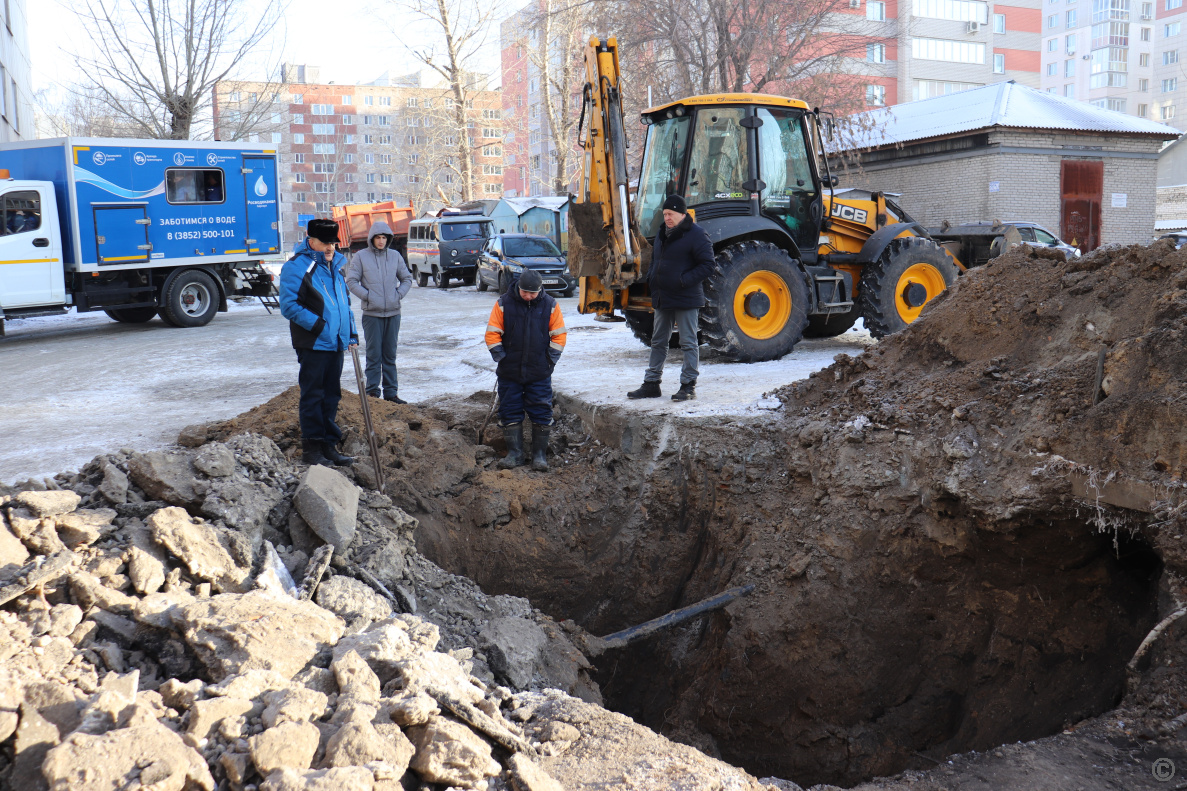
column 894, row 289
column 757, row 303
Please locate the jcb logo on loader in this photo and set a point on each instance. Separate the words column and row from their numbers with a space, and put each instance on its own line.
column 849, row 213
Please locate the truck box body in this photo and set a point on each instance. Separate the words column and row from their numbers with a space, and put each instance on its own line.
column 125, row 206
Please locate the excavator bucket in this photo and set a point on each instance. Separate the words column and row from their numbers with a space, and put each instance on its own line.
column 587, row 240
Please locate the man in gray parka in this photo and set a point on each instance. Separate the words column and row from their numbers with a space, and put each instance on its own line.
column 379, row 277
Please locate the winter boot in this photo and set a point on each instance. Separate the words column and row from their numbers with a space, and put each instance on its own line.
column 513, row 434
column 687, row 392
column 311, row 453
column 395, row 399
column 540, row 447
column 373, row 393
column 336, row 458
column 648, row 390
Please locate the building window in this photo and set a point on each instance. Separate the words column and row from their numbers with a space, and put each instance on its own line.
column 322, row 186
column 368, row 100
column 321, row 207
column 1116, row 105
column 323, row 129
column 1069, row 91
column 276, row 137
column 348, row 120
column 413, row 178
column 876, row 95
column 1147, row 10
column 1167, row 112
column 348, row 159
column 299, row 138
column 958, row 10
column 488, row 132
column 323, row 167
column 447, row 178
column 1145, row 34
column 1173, row 4
column 370, row 178
column 535, row 161
column 369, row 159
column 370, row 195
column 299, row 178
column 1170, row 56
column 348, row 100
column 323, row 148
column 492, row 151
column 1143, row 85
column 1053, row 20
column 386, row 101
column 999, row 64
column 1069, row 44
column 492, row 170
column 412, row 101
column 1144, row 59
column 385, row 159
column 876, row 10
column 947, row 50
column 234, row 96
column 299, row 159
column 1171, row 29
column 349, row 139
column 413, row 121
column 298, row 197
column 385, row 140
column 492, row 115
column 386, row 178
column 413, row 140
column 1170, row 84
column 876, row 53
column 1069, row 68
column 492, row 189
column 368, row 139
column 999, row 23
column 1143, row 110
column 298, row 98
column 533, row 85
column 1052, row 44
column 321, row 109
column 298, row 118
column 1071, row 19
column 1052, row 69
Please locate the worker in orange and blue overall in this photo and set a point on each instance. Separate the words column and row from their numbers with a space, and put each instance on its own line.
column 526, row 335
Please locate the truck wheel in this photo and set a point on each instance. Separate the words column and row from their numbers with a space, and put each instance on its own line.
column 192, row 299
column 131, row 315
column 893, row 290
column 440, row 279
column 832, row 325
column 422, row 278
column 757, row 303
column 641, row 323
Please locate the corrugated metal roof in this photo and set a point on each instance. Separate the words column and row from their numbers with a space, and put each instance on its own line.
column 520, row 205
column 1002, row 104
column 1170, row 225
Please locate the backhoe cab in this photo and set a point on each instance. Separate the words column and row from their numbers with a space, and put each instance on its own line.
column 795, row 256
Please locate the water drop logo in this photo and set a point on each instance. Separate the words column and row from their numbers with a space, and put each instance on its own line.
column 98, row 157
column 261, row 187
column 179, row 158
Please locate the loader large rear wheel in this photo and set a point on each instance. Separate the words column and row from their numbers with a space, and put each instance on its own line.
column 757, row 303
column 641, row 323
column 910, row 273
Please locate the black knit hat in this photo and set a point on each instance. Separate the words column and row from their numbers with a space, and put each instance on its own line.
column 530, row 281
column 323, row 230
column 676, row 203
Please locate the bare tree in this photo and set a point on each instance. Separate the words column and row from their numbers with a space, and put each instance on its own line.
column 158, row 60
column 462, row 27
column 79, row 113
column 564, row 28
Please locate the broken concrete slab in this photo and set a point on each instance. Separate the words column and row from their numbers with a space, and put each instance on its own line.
column 523, row 774
column 358, row 742
column 205, row 715
column 13, row 554
column 242, row 505
column 344, row 778
column 411, row 709
column 36, row 533
column 233, row 633
column 450, row 753
column 47, row 504
column 88, row 591
column 180, row 695
column 204, row 549
column 329, row 504
column 35, row 736
column 84, row 526
column 297, row 704
column 249, row 685
column 355, row 678
column 351, row 599
column 513, row 647
column 114, row 487
column 215, row 460
column 146, row 571
column 289, row 745
column 169, row 477
column 151, row 753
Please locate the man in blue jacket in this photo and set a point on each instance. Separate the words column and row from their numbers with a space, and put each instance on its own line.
column 313, row 297
column 680, row 262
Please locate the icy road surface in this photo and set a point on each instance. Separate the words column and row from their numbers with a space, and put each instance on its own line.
column 76, row 386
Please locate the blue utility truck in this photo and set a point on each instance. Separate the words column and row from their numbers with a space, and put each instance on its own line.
column 135, row 228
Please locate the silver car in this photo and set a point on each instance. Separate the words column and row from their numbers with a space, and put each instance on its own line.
column 1038, row 236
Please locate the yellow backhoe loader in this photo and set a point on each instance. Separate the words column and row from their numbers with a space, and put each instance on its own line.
column 795, row 255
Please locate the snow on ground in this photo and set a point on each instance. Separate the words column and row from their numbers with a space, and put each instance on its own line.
column 76, row 386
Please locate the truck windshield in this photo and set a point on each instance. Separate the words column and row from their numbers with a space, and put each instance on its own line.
column 464, row 230
column 663, row 157
column 531, row 247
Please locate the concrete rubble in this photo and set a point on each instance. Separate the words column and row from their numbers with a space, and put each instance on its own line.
column 153, row 636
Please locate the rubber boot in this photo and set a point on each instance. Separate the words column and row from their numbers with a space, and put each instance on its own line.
column 540, row 447
column 513, row 435
column 311, row 453
column 336, row 458
column 648, row 390
column 687, row 392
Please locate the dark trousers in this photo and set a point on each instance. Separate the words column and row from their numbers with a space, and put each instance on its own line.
column 535, row 398
column 381, row 335
column 321, row 390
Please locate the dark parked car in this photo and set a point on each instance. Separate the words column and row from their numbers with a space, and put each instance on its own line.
column 1178, row 237
column 506, row 255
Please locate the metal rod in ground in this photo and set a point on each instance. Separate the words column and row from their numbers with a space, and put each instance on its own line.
column 626, row 636
column 494, row 396
column 372, row 439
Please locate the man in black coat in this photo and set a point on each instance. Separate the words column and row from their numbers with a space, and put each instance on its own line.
column 680, row 262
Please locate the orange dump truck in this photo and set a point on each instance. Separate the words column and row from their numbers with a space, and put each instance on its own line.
column 354, row 224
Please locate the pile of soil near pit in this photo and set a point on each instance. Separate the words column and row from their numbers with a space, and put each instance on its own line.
column 953, row 546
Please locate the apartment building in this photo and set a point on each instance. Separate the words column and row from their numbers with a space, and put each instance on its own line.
column 16, row 74
column 527, row 141
column 919, row 49
column 391, row 139
column 1122, row 55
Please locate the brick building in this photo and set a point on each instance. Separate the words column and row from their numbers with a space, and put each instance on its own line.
column 392, row 139
column 1010, row 152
